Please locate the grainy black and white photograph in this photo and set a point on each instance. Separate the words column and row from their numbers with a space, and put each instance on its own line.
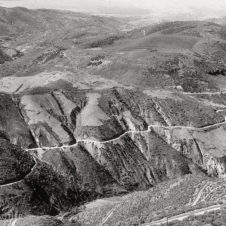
column 112, row 112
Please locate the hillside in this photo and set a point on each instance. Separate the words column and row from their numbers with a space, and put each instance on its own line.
column 103, row 123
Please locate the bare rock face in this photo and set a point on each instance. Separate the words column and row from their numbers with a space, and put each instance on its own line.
column 206, row 147
column 52, row 116
column 45, row 119
column 157, row 107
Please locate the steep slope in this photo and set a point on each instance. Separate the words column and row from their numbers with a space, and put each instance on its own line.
column 15, row 165
column 205, row 147
column 13, row 124
column 61, row 117
column 76, row 162
column 146, row 207
column 29, row 186
column 135, row 159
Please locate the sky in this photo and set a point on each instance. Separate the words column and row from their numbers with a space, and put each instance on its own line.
column 208, row 8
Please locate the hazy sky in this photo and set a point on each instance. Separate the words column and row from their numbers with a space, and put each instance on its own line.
column 208, row 7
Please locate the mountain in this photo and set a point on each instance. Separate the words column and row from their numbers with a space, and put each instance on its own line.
column 95, row 113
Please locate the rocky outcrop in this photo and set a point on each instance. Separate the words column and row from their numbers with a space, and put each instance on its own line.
column 51, row 117
column 206, row 147
column 158, row 107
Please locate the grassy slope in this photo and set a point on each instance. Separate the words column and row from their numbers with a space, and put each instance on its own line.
column 166, row 199
column 142, row 206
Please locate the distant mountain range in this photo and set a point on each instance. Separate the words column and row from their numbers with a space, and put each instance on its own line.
column 161, row 10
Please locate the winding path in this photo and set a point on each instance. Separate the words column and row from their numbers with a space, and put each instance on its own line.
column 206, row 93
column 149, row 127
column 131, row 132
column 15, row 182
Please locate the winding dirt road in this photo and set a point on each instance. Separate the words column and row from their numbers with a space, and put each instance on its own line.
column 16, row 182
column 132, row 133
column 205, row 93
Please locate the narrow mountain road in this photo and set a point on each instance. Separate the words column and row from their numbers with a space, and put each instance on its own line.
column 183, row 216
column 15, row 182
column 92, row 141
column 190, row 127
column 132, row 132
